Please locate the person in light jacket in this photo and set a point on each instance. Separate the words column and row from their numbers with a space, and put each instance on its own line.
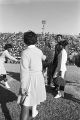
column 32, row 80
column 61, row 66
column 3, row 55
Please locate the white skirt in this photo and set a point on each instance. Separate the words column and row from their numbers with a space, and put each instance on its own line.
column 37, row 91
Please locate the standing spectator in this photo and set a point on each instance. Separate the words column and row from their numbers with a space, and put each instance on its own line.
column 52, row 66
column 61, row 66
column 32, row 81
column 3, row 55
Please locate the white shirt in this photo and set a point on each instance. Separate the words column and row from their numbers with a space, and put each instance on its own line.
column 63, row 60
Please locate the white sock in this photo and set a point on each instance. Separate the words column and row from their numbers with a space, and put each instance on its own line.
column 59, row 92
column 34, row 111
column 34, row 108
column 6, row 84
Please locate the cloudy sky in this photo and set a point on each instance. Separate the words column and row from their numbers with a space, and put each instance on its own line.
column 62, row 16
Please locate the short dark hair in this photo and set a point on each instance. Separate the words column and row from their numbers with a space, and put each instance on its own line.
column 30, row 38
column 58, row 36
column 64, row 43
column 7, row 46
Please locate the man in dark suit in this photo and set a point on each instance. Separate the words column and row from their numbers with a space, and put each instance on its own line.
column 52, row 66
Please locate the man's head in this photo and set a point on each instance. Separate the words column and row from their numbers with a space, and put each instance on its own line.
column 64, row 43
column 59, row 37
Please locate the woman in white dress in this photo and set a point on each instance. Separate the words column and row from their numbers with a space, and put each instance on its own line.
column 5, row 54
column 32, row 80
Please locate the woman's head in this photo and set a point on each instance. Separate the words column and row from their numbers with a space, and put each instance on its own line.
column 64, row 43
column 30, row 38
column 7, row 46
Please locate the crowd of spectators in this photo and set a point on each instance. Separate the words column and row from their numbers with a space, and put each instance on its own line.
column 45, row 42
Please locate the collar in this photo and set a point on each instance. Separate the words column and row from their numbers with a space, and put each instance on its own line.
column 31, row 46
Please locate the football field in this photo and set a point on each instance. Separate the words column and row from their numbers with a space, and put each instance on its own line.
column 65, row 108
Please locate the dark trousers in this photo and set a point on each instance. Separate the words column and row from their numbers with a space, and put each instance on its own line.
column 59, row 88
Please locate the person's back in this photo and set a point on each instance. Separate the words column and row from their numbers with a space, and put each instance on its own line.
column 36, row 59
column 32, row 80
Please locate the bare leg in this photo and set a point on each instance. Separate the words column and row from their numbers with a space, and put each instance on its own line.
column 24, row 113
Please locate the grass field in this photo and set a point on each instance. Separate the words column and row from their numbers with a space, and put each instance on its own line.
column 67, row 108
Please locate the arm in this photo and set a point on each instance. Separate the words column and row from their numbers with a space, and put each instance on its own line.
column 24, row 72
column 9, row 56
column 43, row 57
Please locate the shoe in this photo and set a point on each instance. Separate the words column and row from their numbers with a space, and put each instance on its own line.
column 6, row 84
column 58, row 95
column 34, row 114
column 52, row 86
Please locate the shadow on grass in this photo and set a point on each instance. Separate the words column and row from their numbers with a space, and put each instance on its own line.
column 51, row 90
column 66, row 95
column 70, row 81
column 5, row 97
column 71, row 97
column 14, row 75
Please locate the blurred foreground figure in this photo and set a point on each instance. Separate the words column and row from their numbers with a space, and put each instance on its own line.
column 3, row 55
column 32, row 81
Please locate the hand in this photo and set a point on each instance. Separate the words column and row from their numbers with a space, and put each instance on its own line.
column 55, row 75
column 24, row 91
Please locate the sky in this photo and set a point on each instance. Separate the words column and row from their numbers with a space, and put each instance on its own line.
column 61, row 16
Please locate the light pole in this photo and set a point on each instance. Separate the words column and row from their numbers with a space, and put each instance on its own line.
column 43, row 28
